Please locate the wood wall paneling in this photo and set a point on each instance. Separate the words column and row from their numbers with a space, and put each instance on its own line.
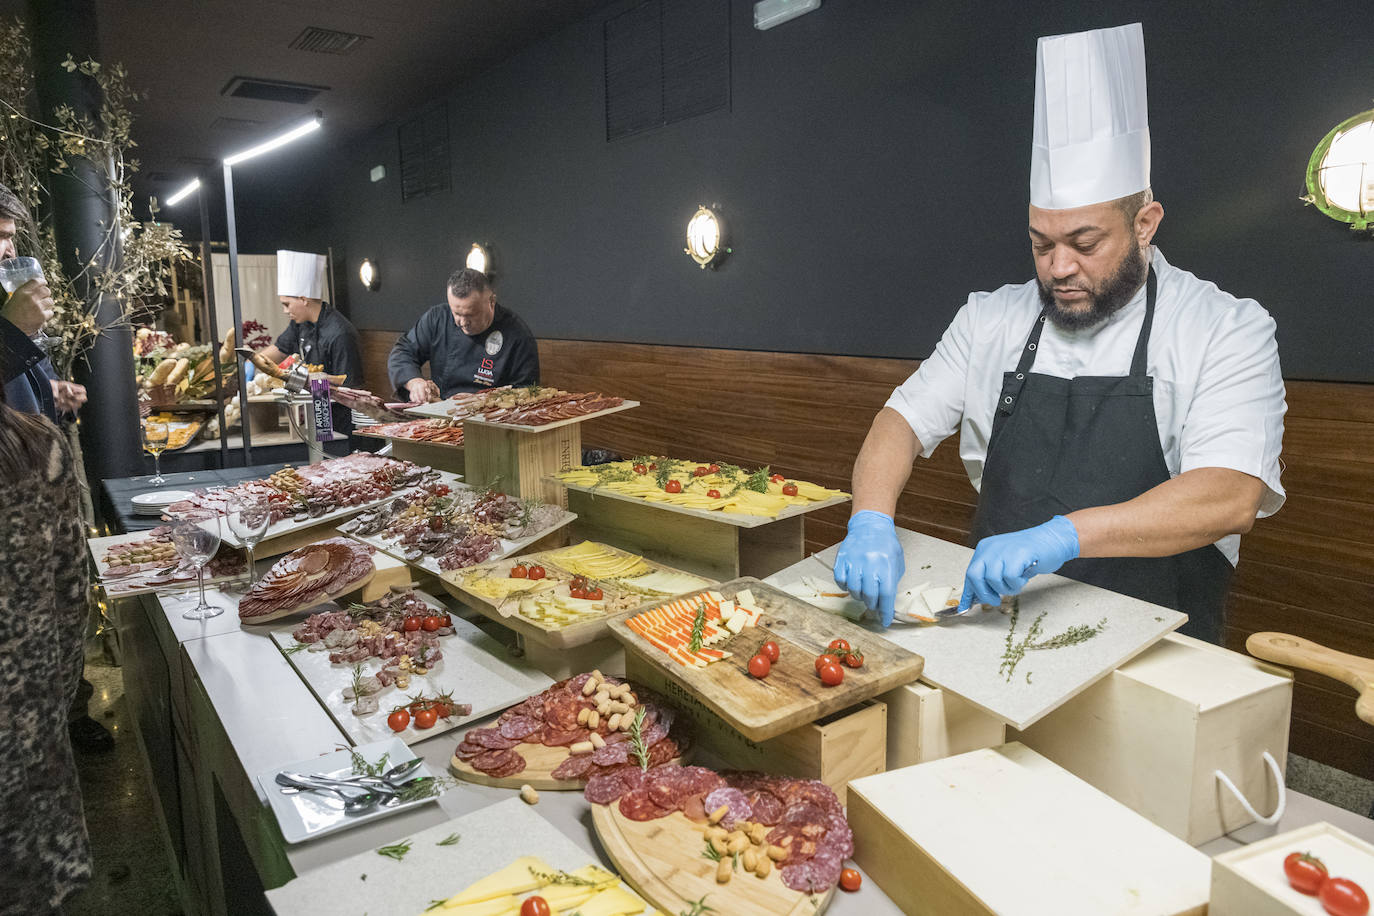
column 1308, row 570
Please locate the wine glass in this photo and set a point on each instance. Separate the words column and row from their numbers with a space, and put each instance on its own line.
column 154, row 443
column 248, row 517
column 14, row 273
column 196, row 541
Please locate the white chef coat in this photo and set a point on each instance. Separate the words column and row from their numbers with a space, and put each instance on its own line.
column 1218, row 391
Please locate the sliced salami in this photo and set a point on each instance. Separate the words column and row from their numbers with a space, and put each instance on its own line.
column 838, row 838
column 553, row 737
column 767, row 807
column 813, row 791
column 468, row 751
column 662, row 752
column 611, row 754
column 519, row 727
column 561, row 711
column 800, row 814
column 637, row 806
column 604, row 788
column 491, row 738
column 812, row 877
column 736, row 804
column 575, row 767
column 499, row 763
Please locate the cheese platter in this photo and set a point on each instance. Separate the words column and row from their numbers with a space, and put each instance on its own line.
column 403, row 651
column 453, row 526
column 574, row 592
column 486, row 863
column 143, row 562
column 762, row 701
column 552, row 741
column 747, row 842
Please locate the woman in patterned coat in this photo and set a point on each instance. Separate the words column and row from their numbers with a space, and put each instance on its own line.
column 44, row 850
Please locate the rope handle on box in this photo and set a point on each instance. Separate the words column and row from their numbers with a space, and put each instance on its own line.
column 1272, row 819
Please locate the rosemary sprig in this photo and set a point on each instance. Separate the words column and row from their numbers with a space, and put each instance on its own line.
column 435, row 904
column 561, row 877
column 450, row 840
column 709, row 852
column 395, row 851
column 292, row 650
column 698, row 907
column 698, row 626
column 758, row 481
column 637, row 745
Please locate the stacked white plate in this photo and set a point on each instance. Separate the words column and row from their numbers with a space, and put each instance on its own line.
column 155, row 501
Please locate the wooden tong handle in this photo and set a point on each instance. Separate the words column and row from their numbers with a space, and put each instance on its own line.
column 1296, row 652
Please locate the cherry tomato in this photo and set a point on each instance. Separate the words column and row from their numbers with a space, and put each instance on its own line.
column 831, row 675
column 640, row 469
column 701, row 471
column 535, row 906
column 426, row 718
column 771, row 650
column 714, row 469
column 1343, row 897
column 577, row 591
column 448, row 620
column 673, row 486
column 1305, row 872
column 653, row 467
column 595, row 594
column 518, row 571
column 442, row 709
column 412, row 624
column 789, row 489
column 713, row 494
column 537, row 572
column 841, row 644
column 759, row 665
column 432, row 623
column 850, row 879
column 776, row 478
column 398, row 720
column 854, row 658
column 826, row 658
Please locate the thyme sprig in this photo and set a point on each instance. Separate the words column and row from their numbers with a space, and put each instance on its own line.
column 561, row 877
column 758, row 481
column 1015, row 650
column 666, row 468
column 637, row 745
column 362, row 768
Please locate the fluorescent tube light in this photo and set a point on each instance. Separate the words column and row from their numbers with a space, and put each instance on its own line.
column 184, row 193
column 312, row 125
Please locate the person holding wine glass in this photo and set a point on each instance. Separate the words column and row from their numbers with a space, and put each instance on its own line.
column 248, row 517
column 196, row 538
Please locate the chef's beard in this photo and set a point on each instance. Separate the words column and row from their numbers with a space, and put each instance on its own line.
column 1105, row 302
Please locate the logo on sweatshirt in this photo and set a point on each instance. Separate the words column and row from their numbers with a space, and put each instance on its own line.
column 494, row 341
column 486, row 373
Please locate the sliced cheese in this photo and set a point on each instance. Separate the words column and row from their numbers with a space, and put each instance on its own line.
column 497, row 906
column 614, row 901
column 745, row 598
column 936, row 599
column 515, row 878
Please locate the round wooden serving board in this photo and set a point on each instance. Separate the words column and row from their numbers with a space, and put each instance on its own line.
column 314, row 602
column 540, row 762
column 661, row 859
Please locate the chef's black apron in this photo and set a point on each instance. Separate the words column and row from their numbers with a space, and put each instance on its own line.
column 1059, row 445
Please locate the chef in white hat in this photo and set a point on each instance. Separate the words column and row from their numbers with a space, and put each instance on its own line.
column 317, row 333
column 1120, row 418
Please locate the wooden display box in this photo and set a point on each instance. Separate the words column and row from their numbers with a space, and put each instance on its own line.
column 836, row 749
column 927, row 723
column 521, row 460
column 1005, row 831
column 1250, row 881
column 1154, row 732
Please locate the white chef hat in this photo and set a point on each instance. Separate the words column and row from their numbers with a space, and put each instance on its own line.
column 1091, row 142
column 300, row 274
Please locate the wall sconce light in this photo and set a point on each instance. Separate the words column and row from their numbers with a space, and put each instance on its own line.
column 706, row 237
column 1340, row 174
column 478, row 259
column 367, row 272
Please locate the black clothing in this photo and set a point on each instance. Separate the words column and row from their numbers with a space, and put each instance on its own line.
column 503, row 354
column 28, row 373
column 1059, row 445
column 330, row 341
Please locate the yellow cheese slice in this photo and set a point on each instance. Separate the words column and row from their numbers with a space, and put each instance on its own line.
column 614, row 901
column 515, row 878
column 497, row 906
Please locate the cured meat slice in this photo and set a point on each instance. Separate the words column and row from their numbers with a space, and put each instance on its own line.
column 767, row 807
column 553, row 737
column 561, row 711
column 801, row 814
column 813, row 791
column 499, row 763
column 491, row 738
column 468, row 751
column 575, row 767
column 736, row 803
column 611, row 754
column 839, row 838
column 812, row 877
column 519, row 727
column 637, row 806
column 662, row 752
column 604, row 788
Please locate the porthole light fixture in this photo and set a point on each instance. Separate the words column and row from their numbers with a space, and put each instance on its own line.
column 478, row 259
column 1340, row 174
column 706, row 237
column 367, row 272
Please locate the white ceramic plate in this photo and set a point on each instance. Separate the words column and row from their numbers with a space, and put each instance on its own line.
column 154, row 501
column 307, row 815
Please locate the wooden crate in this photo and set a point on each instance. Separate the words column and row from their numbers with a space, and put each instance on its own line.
column 1250, row 881
column 523, row 461
column 1006, row 831
column 1153, row 733
column 843, row 746
column 926, row 723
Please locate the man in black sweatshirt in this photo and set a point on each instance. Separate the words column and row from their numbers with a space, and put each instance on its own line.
column 470, row 343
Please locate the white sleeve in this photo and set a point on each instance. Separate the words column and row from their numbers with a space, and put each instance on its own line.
column 1235, row 419
column 932, row 399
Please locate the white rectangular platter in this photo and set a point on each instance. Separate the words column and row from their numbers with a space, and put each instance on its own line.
column 440, row 410
column 738, row 519
column 963, row 655
column 306, row 815
column 136, row 584
column 429, row 564
column 475, row 668
column 489, row 839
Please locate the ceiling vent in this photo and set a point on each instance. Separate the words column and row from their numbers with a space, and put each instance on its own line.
column 235, row 124
column 327, row 41
column 243, row 87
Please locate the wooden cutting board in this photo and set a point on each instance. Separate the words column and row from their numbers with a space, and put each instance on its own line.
column 662, row 860
column 792, row 695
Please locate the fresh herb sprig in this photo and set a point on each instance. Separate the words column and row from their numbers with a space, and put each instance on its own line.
column 637, row 745
column 292, row 650
column 362, row 768
column 698, row 629
column 561, row 877
column 395, row 851
column 450, row 840
column 698, row 907
column 666, row 468
column 1015, row 651
column 758, row 481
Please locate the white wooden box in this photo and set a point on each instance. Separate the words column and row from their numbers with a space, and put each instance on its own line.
column 927, row 723
column 1250, row 882
column 1153, row 734
column 1006, row 831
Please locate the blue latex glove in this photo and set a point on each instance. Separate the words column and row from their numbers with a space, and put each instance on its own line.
column 1004, row 563
column 870, row 562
